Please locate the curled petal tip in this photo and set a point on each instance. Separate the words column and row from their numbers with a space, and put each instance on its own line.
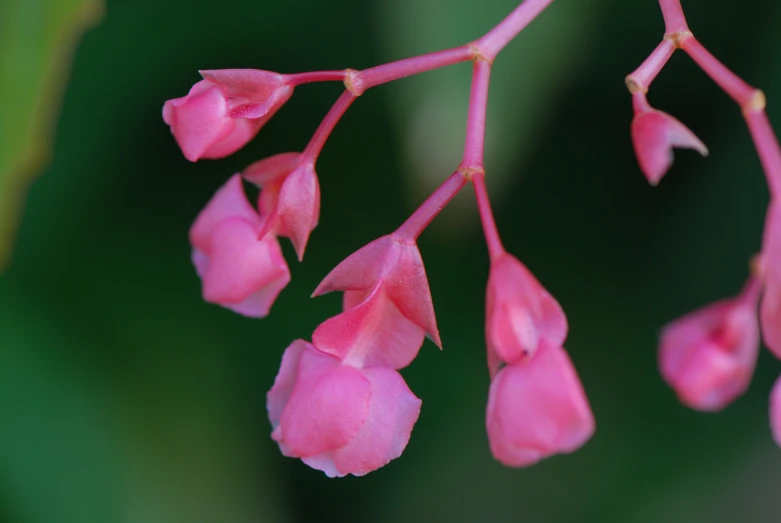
column 654, row 135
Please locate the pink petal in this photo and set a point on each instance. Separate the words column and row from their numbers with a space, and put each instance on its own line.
column 253, row 84
column 198, row 120
column 244, row 273
column 351, row 299
column 407, row 285
column 299, row 206
column 537, row 408
column 520, row 312
column 775, row 411
column 708, row 357
column 654, row 134
column 372, row 333
column 278, row 396
column 393, row 411
column 201, row 262
column 241, row 132
column 229, row 201
column 271, row 170
column 327, row 408
column 224, row 111
column 399, row 267
column 770, row 311
column 363, row 268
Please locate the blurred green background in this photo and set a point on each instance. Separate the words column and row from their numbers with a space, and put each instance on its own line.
column 124, row 398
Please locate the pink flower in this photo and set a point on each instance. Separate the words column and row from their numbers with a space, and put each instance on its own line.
column 388, row 307
column 770, row 268
column 224, row 111
column 537, row 408
column 520, row 313
column 708, row 356
column 290, row 196
column 338, row 418
column 654, row 134
column 775, row 411
column 239, row 271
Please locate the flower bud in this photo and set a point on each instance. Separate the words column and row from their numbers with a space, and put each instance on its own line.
column 290, row 196
column 708, row 356
column 520, row 313
column 337, row 418
column 396, row 265
column 654, row 134
column 537, row 408
column 239, row 270
column 224, row 111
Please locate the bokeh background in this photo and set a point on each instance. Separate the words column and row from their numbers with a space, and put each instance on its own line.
column 124, row 398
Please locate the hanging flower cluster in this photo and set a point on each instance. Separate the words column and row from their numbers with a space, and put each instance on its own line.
column 339, row 403
column 708, row 356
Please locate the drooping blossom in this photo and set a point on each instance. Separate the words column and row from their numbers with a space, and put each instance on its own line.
column 770, row 268
column 224, row 111
column 387, row 302
column 239, row 270
column 708, row 356
column 654, row 134
column 338, row 418
column 537, row 408
column 290, row 196
column 536, row 405
column 519, row 313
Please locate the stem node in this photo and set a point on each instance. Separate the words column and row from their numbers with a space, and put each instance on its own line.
column 755, row 104
column 678, row 37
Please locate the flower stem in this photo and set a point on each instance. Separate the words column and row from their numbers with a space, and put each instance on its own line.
column 751, row 291
column 415, row 224
column 768, row 149
column 497, row 38
column 751, row 101
column 409, row 66
column 495, row 247
column 674, row 20
column 315, row 76
column 474, row 145
column 322, row 133
column 641, row 78
column 640, row 102
column 732, row 84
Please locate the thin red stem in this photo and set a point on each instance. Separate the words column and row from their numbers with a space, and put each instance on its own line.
column 322, row 133
column 641, row 78
column 674, row 20
column 474, row 145
column 640, row 102
column 495, row 247
column 409, row 66
column 731, row 83
column 751, row 291
column 315, row 76
column 768, row 149
column 751, row 101
column 415, row 224
column 497, row 38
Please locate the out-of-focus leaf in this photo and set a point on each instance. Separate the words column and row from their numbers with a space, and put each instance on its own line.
column 37, row 38
column 526, row 82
